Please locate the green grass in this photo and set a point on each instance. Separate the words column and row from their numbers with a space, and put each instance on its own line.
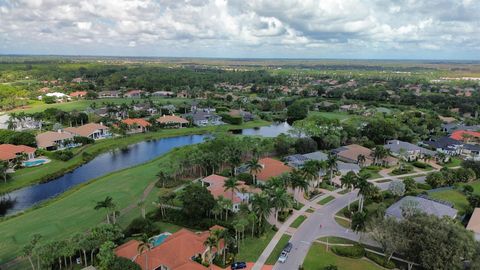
column 29, row 176
column 454, row 196
column 318, row 258
column 384, row 181
column 453, row 162
column 332, row 115
column 310, row 210
column 73, row 211
column 372, row 171
column 272, row 259
column 326, row 200
column 298, row 205
column 298, row 221
column 336, row 240
column 344, row 223
column 251, row 248
column 345, row 191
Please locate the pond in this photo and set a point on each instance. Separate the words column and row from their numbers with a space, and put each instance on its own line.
column 112, row 161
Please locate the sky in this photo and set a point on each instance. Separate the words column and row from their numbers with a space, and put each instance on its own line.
column 351, row 29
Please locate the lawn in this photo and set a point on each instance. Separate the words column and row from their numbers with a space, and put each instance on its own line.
column 251, row 248
column 272, row 259
column 73, row 211
column 332, row 115
column 372, row 171
column 298, row 221
column 454, row 162
column 326, row 200
column 29, row 176
column 453, row 196
column 318, row 258
column 343, row 222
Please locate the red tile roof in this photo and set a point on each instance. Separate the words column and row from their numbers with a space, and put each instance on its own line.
column 216, row 188
column 78, row 94
column 10, row 151
column 272, row 168
column 459, row 134
column 138, row 121
column 169, row 119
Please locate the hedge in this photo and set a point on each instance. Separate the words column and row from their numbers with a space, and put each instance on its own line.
column 380, row 260
column 354, row 252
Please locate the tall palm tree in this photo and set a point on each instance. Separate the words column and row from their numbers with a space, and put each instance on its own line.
column 280, row 200
column 365, row 188
column 261, row 206
column 209, row 243
column 298, row 182
column 217, row 210
column 255, row 168
column 361, row 159
column 11, row 123
column 348, row 180
column 310, row 170
column 144, row 245
column 379, row 153
column 332, row 166
column 108, row 204
column 232, row 185
column 141, row 205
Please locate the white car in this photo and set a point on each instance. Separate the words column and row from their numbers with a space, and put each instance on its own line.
column 283, row 257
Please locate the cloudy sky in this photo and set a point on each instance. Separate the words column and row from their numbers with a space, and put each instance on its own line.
column 393, row 29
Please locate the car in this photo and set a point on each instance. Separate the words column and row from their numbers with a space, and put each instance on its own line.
column 238, row 265
column 288, row 247
column 283, row 257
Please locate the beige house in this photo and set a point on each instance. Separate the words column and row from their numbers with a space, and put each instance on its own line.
column 91, row 130
column 51, row 140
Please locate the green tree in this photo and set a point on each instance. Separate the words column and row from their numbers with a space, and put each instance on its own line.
column 28, row 250
column 197, row 202
column 262, row 208
column 232, row 185
column 332, row 166
column 254, row 168
column 109, row 205
column 348, row 180
column 106, row 256
column 3, row 170
column 280, row 200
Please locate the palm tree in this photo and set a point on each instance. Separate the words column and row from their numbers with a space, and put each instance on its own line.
column 232, row 185
column 28, row 249
column 209, row 243
column 361, row 159
column 11, row 123
column 365, row 188
column 3, row 170
column 108, row 204
column 141, row 205
column 217, row 210
column 332, row 166
column 379, row 153
column 310, row 170
column 348, row 180
column 144, row 245
column 298, row 182
column 255, row 168
column 280, row 200
column 261, row 206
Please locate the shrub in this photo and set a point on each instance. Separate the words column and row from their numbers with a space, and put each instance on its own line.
column 86, row 156
column 420, row 165
column 424, row 186
column 245, row 177
column 330, row 267
column 467, row 189
column 83, row 140
column 140, row 225
column 233, row 120
column 63, row 155
column 355, row 252
column 380, row 260
column 121, row 263
column 403, row 170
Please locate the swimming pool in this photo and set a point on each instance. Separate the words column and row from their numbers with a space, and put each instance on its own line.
column 159, row 239
column 32, row 163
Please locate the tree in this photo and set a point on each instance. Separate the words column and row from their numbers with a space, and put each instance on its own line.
column 361, row 159
column 297, row 111
column 298, row 182
column 3, row 170
column 141, row 205
column 262, row 208
column 197, row 202
column 397, row 188
column 279, row 200
column 254, row 168
column 305, row 145
column 144, row 246
column 209, row 243
column 109, row 205
column 28, row 250
column 348, row 180
column 410, row 184
column 232, row 185
column 435, row 179
column 106, row 255
column 332, row 166
column 122, row 263
column 310, row 170
column 358, row 221
column 365, row 188
column 379, row 153
column 386, row 233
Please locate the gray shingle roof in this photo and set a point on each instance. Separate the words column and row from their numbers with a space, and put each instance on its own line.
column 396, row 145
column 423, row 205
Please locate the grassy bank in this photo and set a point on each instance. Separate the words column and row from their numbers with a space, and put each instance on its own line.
column 54, row 169
column 73, row 211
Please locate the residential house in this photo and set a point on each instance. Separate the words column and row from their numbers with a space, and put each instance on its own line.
column 163, row 94
column 351, row 153
column 178, row 251
column 451, row 127
column 297, row 161
column 407, row 151
column 91, row 130
column 10, row 152
column 78, row 94
column 109, row 94
column 471, row 151
column 172, row 121
column 445, row 145
column 271, row 168
column 214, row 183
column 350, row 107
column 51, row 140
column 134, row 94
column 136, row 125
column 474, row 223
column 466, row 136
column 145, row 107
column 420, row 204
column 247, row 116
column 205, row 117
column 59, row 97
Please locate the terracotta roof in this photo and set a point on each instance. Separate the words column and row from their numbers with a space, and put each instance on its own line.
column 458, row 134
column 167, row 119
column 85, row 130
column 134, row 92
column 272, row 168
column 175, row 252
column 216, row 188
column 78, row 94
column 474, row 223
column 10, row 151
column 137, row 121
column 352, row 152
column 47, row 139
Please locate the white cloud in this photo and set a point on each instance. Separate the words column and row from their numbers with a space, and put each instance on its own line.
column 264, row 28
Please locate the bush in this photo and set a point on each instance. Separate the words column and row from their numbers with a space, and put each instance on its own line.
column 233, row 120
column 83, row 140
column 406, row 169
column 245, row 177
column 305, row 145
column 121, row 263
column 467, row 189
column 420, row 165
column 140, row 225
column 380, row 260
column 330, row 267
column 355, row 252
column 17, row 138
column 424, row 186
column 63, row 155
column 87, row 156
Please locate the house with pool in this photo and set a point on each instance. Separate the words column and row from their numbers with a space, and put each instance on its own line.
column 183, row 250
column 11, row 153
column 91, row 130
column 51, row 140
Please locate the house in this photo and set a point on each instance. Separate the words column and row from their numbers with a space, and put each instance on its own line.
column 91, row 130
column 163, row 94
column 471, row 151
column 445, row 145
column 214, row 183
column 447, row 119
column 78, row 94
column 136, row 125
column 407, row 151
column 10, row 152
column 205, row 117
column 59, row 97
column 146, row 107
column 51, row 140
column 134, row 94
column 297, row 161
column 451, row 127
column 172, row 121
column 351, row 153
column 466, row 136
column 420, row 204
column 178, row 251
column 271, row 168
column 474, row 223
column 247, row 116
column 109, row 94
column 350, row 107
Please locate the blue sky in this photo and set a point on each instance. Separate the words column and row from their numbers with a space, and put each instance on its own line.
column 384, row 29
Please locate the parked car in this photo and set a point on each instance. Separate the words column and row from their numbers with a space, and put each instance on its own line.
column 283, row 257
column 238, row 265
column 288, row 247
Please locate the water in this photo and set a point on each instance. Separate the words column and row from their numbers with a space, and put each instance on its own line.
column 34, row 162
column 159, row 239
column 116, row 160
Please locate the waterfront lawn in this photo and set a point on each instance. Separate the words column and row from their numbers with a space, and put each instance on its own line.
column 28, row 176
column 251, row 247
column 272, row 259
column 73, row 212
column 318, row 258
